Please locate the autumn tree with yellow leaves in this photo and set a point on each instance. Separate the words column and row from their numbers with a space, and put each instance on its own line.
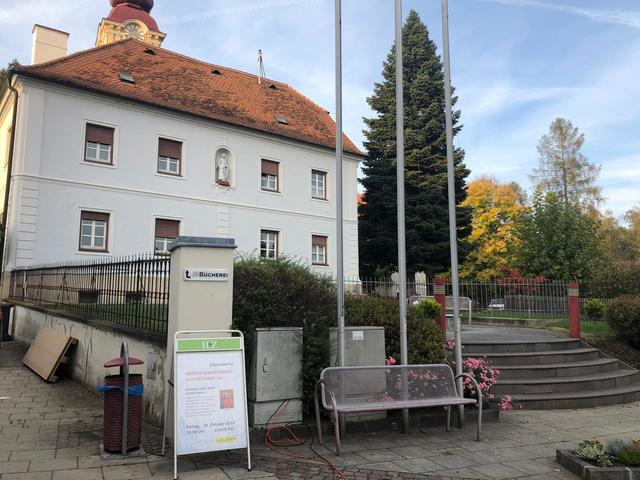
column 496, row 207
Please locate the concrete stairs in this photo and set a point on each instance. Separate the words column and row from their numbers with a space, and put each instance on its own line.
column 557, row 373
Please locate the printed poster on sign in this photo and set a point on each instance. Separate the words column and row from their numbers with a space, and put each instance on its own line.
column 211, row 413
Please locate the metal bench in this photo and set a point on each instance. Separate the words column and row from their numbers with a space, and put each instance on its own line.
column 466, row 304
column 345, row 390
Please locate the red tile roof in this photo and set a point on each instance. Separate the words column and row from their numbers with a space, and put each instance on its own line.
column 169, row 80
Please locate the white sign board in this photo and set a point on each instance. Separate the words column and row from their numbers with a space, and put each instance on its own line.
column 206, row 275
column 209, row 394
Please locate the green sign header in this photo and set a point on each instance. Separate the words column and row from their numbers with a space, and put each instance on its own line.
column 209, row 344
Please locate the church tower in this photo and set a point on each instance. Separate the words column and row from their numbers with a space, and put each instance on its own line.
column 130, row 19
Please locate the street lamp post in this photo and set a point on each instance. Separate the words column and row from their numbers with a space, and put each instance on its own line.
column 402, row 253
column 453, row 229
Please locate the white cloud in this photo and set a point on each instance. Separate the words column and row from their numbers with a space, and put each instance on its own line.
column 617, row 17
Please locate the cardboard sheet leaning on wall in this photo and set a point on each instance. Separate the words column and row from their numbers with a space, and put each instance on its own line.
column 47, row 352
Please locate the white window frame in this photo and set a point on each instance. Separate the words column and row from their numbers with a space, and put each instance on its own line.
column 266, row 185
column 322, row 174
column 169, row 161
column 182, row 162
column 99, row 149
column 165, row 245
column 279, row 182
column 276, row 244
column 113, row 162
column 326, row 250
column 159, row 216
column 92, row 248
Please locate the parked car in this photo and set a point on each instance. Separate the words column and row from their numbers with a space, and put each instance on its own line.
column 496, row 304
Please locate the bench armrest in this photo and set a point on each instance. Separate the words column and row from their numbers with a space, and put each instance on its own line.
column 475, row 384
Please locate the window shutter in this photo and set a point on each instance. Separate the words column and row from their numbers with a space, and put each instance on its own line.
column 169, row 148
column 167, row 228
column 319, row 240
column 269, row 167
column 98, row 134
column 95, row 216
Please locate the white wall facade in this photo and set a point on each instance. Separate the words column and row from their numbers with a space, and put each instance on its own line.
column 52, row 183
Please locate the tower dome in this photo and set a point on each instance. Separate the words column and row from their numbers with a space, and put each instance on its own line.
column 146, row 5
column 130, row 19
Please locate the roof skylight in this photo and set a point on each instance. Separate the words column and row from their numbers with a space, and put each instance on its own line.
column 282, row 121
column 126, row 77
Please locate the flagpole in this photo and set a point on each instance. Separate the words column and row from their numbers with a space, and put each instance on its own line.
column 402, row 254
column 339, row 196
column 453, row 229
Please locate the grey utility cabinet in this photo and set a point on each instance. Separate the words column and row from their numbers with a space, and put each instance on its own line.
column 275, row 376
column 363, row 346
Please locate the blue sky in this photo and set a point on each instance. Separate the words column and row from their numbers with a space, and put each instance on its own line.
column 516, row 64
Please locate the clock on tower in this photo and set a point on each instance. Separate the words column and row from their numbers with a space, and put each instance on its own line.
column 130, row 19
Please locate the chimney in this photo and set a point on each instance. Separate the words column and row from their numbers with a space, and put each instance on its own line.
column 48, row 44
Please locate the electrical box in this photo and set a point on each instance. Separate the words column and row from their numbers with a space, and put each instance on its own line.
column 275, row 376
column 363, row 346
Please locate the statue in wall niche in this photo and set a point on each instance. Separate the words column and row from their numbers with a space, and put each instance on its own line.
column 222, row 167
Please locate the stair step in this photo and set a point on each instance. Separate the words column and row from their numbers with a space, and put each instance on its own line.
column 544, row 357
column 550, row 370
column 476, row 348
column 583, row 399
column 599, row 381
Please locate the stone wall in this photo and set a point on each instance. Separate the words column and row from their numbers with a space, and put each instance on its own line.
column 99, row 342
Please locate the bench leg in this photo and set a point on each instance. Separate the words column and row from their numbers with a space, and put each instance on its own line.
column 318, row 422
column 479, row 419
column 336, row 427
column 448, row 424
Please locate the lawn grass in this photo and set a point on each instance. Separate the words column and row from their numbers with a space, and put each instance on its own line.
column 150, row 317
column 587, row 328
column 517, row 315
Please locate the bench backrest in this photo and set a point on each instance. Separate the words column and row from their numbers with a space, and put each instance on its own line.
column 382, row 384
column 465, row 302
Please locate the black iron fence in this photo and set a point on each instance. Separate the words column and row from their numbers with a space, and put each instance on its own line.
column 130, row 291
column 512, row 298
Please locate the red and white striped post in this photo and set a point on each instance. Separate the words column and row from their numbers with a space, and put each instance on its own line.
column 573, row 295
column 440, row 295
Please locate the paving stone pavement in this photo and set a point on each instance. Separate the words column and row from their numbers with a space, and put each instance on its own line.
column 52, row 432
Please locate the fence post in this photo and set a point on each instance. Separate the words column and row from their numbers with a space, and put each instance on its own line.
column 573, row 294
column 440, row 295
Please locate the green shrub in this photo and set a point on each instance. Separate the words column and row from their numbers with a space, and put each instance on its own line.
column 595, row 310
column 285, row 293
column 428, row 309
column 593, row 451
column 623, row 316
column 630, row 457
column 425, row 339
column 616, row 446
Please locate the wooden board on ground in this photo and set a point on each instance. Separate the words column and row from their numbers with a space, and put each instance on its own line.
column 47, row 352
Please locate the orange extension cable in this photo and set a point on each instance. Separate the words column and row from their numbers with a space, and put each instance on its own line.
column 292, row 441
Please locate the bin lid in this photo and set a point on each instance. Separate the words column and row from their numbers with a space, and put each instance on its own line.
column 119, row 362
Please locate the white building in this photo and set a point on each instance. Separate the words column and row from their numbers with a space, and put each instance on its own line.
column 121, row 148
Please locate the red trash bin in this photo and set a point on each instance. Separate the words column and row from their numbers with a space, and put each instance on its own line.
column 114, row 405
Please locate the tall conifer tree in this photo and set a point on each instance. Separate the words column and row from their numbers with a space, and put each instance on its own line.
column 426, row 165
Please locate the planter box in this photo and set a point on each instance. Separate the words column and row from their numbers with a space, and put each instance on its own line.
column 586, row 471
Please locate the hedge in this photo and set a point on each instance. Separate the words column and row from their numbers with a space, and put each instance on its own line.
column 623, row 315
column 286, row 293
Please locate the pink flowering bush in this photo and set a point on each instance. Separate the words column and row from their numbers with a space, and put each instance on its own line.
column 423, row 383
column 505, row 403
column 480, row 369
